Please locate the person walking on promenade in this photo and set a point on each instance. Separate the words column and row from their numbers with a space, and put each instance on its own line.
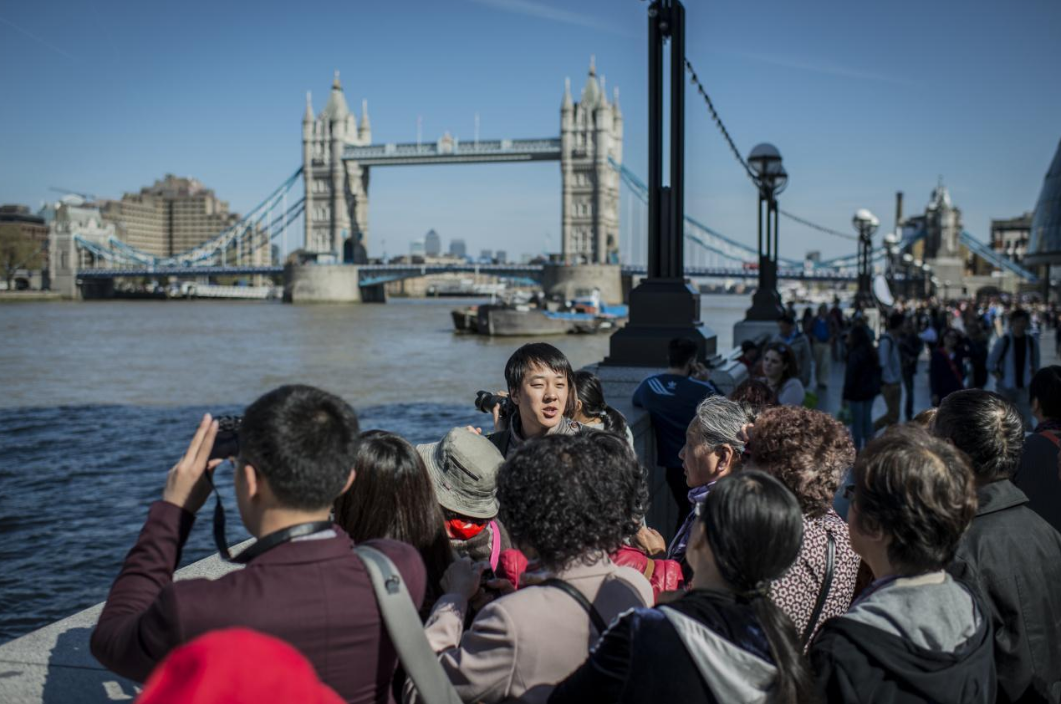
column 713, row 448
column 890, row 357
column 909, row 351
column 1009, row 556
column 1039, row 476
column 1014, row 360
column 839, row 325
column 915, row 634
column 781, row 374
column 978, row 343
column 568, row 501
column 946, row 370
column 822, row 333
column 862, row 383
column 725, row 640
column 810, row 452
column 302, row 582
column 671, row 399
column 789, row 334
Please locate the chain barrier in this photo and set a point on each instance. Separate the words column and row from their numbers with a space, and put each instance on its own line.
column 744, row 164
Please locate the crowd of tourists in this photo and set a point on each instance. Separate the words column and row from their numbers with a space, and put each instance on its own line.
column 808, row 563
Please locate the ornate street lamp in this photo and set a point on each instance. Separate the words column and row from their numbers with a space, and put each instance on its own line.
column 771, row 179
column 866, row 224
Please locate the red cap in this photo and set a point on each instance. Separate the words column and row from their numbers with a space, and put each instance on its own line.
column 236, row 665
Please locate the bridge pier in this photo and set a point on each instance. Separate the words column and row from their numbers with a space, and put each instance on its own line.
column 567, row 281
column 322, row 283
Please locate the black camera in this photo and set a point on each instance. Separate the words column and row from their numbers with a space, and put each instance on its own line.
column 226, row 443
column 485, row 402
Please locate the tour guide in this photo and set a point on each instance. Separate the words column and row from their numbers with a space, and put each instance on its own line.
column 539, row 380
column 302, row 582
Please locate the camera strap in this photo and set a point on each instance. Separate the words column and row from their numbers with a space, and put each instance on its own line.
column 263, row 545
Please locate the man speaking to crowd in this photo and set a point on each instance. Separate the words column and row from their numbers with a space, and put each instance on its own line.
column 302, row 581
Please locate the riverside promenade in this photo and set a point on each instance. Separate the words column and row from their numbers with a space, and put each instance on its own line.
column 53, row 665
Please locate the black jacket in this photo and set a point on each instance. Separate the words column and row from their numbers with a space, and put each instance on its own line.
column 643, row 658
column 1011, row 558
column 862, row 377
column 855, row 662
column 945, row 376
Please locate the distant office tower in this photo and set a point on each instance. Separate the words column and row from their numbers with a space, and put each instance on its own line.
column 432, row 244
column 501, row 256
column 178, row 214
column 486, row 255
column 457, row 248
column 416, row 248
column 33, row 227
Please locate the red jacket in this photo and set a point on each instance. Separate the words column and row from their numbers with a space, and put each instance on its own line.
column 315, row 594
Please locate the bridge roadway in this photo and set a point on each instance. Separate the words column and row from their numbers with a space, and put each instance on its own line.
column 374, row 274
column 453, row 151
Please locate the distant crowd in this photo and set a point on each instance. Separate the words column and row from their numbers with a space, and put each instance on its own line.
column 813, row 557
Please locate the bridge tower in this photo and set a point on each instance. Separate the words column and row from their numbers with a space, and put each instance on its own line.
column 591, row 131
column 336, row 216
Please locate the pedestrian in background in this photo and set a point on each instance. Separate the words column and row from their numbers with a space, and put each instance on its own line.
column 890, row 357
column 862, row 383
column 1014, row 360
column 821, row 335
column 946, row 371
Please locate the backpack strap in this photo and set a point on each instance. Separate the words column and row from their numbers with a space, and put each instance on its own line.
column 405, row 629
column 823, row 593
column 594, row 616
column 495, row 544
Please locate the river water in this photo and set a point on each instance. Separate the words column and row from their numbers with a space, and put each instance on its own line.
column 99, row 399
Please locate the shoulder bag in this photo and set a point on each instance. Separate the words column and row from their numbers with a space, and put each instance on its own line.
column 405, row 629
column 594, row 616
column 823, row 593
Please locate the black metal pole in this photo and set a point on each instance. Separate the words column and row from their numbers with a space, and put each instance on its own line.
column 676, row 220
column 655, row 138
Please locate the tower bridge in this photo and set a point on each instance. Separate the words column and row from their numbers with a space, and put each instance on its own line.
column 338, row 155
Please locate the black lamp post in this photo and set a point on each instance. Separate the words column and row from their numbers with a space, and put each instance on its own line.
column 664, row 305
column 771, row 178
column 866, row 224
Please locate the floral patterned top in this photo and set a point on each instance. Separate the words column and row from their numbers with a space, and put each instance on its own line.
column 797, row 592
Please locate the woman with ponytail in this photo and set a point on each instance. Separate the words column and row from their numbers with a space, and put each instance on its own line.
column 725, row 640
column 591, row 410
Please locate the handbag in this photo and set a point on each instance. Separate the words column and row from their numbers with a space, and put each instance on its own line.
column 823, row 593
column 405, row 629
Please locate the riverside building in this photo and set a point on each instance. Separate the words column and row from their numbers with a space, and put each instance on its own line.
column 177, row 214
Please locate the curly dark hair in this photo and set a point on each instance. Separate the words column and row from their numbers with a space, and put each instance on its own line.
column 570, row 497
column 755, row 394
column 809, row 451
column 919, row 490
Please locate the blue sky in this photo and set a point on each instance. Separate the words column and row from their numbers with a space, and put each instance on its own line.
column 863, row 99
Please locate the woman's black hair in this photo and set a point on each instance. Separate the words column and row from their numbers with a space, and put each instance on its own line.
column 751, row 508
column 860, row 343
column 392, row 497
column 570, row 498
column 788, row 359
column 590, row 393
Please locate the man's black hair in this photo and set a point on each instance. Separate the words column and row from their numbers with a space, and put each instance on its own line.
column 748, row 346
column 896, row 320
column 680, row 351
column 536, row 354
column 1046, row 386
column 303, row 441
column 1020, row 314
column 987, row 428
column 787, row 319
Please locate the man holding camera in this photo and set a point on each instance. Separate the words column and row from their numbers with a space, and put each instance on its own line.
column 541, row 398
column 302, row 581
